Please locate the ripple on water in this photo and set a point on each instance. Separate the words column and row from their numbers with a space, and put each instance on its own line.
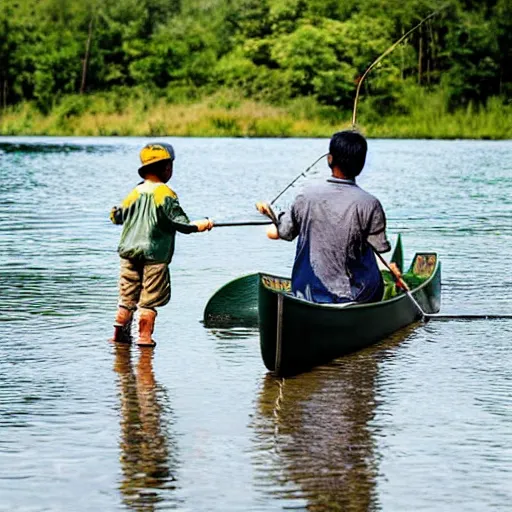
column 421, row 421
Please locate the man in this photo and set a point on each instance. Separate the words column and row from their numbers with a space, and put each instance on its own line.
column 339, row 226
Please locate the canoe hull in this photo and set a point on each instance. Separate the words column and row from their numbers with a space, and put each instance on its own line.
column 296, row 335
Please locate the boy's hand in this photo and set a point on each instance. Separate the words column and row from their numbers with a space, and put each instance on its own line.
column 114, row 214
column 203, row 224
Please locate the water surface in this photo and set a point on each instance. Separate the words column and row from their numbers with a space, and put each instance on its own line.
column 419, row 422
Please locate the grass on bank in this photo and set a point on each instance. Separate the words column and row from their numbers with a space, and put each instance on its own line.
column 228, row 114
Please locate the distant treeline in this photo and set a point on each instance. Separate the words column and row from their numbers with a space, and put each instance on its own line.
column 273, row 51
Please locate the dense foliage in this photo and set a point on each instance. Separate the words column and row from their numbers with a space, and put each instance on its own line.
column 270, row 50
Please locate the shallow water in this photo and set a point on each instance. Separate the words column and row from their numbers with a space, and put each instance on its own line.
column 419, row 422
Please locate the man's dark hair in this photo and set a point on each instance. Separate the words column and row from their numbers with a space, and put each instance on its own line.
column 157, row 168
column 348, row 150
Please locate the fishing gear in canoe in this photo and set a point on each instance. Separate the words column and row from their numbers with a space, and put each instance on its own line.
column 428, row 316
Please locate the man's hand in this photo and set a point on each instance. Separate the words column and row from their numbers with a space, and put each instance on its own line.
column 395, row 270
column 203, row 224
column 265, row 209
column 272, row 232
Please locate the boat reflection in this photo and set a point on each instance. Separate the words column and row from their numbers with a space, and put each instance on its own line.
column 234, row 333
column 148, row 456
column 315, row 442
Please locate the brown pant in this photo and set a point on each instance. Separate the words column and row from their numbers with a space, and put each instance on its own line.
column 144, row 285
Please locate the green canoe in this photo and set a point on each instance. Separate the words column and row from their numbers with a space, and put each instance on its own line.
column 296, row 334
column 236, row 303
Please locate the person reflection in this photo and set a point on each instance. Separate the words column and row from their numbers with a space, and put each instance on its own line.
column 147, row 463
column 314, row 431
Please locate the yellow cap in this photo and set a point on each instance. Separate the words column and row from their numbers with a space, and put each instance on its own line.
column 152, row 153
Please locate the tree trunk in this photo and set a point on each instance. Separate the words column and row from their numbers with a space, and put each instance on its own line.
column 4, row 94
column 432, row 47
column 86, row 56
column 420, row 58
column 402, row 63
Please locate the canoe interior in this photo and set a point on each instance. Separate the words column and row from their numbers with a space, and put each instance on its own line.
column 306, row 334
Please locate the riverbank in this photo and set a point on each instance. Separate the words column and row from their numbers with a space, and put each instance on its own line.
column 230, row 115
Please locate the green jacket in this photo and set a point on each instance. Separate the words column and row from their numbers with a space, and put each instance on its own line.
column 151, row 215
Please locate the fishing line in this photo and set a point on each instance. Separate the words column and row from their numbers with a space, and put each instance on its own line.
column 358, row 90
column 303, row 173
column 385, row 54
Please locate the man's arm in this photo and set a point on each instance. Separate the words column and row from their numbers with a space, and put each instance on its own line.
column 285, row 226
column 377, row 229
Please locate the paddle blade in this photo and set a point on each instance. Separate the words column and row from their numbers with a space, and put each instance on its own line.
column 235, row 304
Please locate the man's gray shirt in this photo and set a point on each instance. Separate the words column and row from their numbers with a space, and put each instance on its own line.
column 337, row 223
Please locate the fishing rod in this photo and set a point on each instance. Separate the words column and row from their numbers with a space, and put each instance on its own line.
column 354, row 112
column 303, row 173
column 242, row 223
column 273, row 218
column 358, row 90
column 400, row 282
column 385, row 54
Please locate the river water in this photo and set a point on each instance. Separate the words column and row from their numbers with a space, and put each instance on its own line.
column 422, row 421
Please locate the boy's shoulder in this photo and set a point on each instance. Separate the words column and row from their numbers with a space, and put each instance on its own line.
column 159, row 191
column 152, row 187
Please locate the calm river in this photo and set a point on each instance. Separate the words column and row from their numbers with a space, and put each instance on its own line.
column 421, row 422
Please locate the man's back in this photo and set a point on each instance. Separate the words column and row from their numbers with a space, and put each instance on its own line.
column 336, row 221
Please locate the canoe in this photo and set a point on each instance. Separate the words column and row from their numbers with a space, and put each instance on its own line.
column 236, row 303
column 296, row 335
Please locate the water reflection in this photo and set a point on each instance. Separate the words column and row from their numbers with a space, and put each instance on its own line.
column 148, row 456
column 316, row 428
column 59, row 407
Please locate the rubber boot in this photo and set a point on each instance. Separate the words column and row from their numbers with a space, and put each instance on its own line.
column 146, row 326
column 122, row 326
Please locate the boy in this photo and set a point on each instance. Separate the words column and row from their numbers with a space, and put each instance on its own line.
column 339, row 225
column 151, row 215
